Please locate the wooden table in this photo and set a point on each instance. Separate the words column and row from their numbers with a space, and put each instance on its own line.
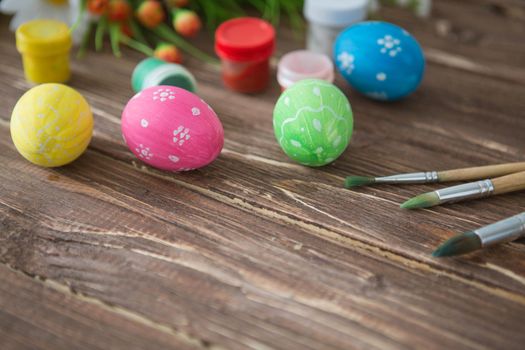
column 255, row 251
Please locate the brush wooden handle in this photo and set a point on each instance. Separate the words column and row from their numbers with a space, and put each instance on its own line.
column 509, row 183
column 481, row 172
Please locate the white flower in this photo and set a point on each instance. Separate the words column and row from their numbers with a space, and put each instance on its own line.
column 389, row 45
column 144, row 152
column 181, row 135
column 381, row 76
column 163, row 95
column 173, row 158
column 195, row 111
column 347, row 61
column 61, row 10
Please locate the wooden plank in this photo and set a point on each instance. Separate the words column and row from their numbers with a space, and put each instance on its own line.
column 481, row 33
column 39, row 314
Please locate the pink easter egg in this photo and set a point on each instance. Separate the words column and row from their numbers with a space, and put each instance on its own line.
column 172, row 129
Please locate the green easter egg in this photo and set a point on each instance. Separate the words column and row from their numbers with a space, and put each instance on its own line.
column 313, row 122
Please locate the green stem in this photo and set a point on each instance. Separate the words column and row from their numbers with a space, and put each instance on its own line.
column 137, row 32
column 114, row 37
column 167, row 34
column 85, row 40
column 136, row 45
column 80, row 15
column 99, row 34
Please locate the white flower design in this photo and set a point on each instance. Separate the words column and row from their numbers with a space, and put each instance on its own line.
column 144, row 123
column 181, row 135
column 173, row 158
column 163, row 95
column 337, row 141
column 295, row 143
column 389, row 45
column 347, row 61
column 144, row 152
column 195, row 111
column 381, row 76
column 317, row 125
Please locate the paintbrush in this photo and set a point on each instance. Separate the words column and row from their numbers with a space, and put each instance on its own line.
column 465, row 174
column 502, row 231
column 471, row 190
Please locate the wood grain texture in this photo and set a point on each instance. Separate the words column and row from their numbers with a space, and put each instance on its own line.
column 255, row 251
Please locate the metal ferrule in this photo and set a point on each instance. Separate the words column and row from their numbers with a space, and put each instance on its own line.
column 412, row 178
column 470, row 190
column 502, row 231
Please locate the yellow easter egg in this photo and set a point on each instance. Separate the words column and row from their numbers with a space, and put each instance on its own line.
column 51, row 125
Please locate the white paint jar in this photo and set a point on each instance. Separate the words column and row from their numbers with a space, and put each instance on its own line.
column 302, row 64
column 327, row 18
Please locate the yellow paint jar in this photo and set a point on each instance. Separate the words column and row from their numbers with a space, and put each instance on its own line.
column 44, row 45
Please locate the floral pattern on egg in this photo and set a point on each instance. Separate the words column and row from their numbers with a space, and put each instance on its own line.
column 313, row 122
column 172, row 129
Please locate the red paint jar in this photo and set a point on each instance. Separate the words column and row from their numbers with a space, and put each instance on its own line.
column 245, row 46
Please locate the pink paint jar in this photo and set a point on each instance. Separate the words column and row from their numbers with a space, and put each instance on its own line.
column 303, row 64
column 245, row 46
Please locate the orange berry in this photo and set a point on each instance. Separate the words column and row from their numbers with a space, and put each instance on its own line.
column 186, row 22
column 150, row 13
column 118, row 10
column 97, row 7
column 168, row 53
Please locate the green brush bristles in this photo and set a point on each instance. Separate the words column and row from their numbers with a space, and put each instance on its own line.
column 356, row 181
column 461, row 244
column 424, row 200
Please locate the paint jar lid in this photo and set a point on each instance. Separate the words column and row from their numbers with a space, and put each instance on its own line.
column 303, row 64
column 335, row 13
column 245, row 39
column 153, row 72
column 43, row 37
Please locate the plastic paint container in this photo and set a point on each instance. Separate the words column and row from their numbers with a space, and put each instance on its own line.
column 327, row 18
column 44, row 45
column 245, row 46
column 303, row 64
column 153, row 72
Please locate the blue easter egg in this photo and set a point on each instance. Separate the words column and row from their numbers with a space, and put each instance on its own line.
column 380, row 60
